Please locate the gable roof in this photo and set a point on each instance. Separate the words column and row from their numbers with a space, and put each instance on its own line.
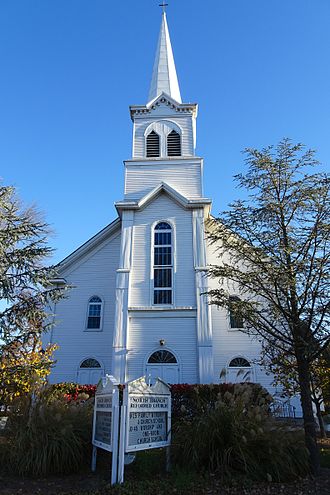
column 162, row 187
column 166, row 100
column 89, row 245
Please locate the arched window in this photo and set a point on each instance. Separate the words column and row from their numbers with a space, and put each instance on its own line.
column 163, row 263
column 94, row 313
column 153, row 147
column 162, row 357
column 173, row 144
column 90, row 363
column 239, row 362
column 236, row 320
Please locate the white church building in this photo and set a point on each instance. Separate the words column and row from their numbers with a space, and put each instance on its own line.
column 137, row 305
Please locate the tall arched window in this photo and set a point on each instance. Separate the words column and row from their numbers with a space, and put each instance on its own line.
column 173, row 144
column 153, row 144
column 163, row 264
column 94, row 313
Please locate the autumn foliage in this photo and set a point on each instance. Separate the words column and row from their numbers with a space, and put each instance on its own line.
column 24, row 368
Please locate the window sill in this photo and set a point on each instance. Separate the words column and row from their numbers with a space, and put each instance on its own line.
column 93, row 330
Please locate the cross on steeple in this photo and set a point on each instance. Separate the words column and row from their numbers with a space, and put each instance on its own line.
column 163, row 5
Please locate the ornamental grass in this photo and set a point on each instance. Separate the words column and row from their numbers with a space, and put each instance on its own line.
column 237, row 437
column 51, row 437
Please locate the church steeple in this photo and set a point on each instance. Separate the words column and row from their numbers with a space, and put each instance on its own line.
column 164, row 78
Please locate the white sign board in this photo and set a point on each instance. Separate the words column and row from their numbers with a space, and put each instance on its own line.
column 106, row 399
column 148, row 415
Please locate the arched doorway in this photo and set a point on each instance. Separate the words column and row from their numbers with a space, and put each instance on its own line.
column 239, row 370
column 164, row 365
column 90, row 371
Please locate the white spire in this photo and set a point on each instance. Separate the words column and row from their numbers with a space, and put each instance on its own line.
column 164, row 78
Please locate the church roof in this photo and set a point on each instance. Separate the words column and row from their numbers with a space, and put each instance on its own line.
column 164, row 77
column 90, row 245
column 163, row 187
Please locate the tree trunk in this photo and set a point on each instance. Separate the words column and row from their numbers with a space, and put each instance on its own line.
column 307, row 407
column 323, row 433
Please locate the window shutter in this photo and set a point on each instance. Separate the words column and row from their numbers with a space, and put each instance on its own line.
column 173, row 144
column 153, row 148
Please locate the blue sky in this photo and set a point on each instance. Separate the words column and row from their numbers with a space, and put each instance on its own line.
column 258, row 69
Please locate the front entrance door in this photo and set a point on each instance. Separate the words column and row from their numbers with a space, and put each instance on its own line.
column 162, row 364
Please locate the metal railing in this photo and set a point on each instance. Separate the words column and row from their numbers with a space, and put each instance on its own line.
column 282, row 410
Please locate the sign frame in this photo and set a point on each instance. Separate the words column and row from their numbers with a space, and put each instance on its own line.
column 153, row 399
column 107, row 388
column 106, row 391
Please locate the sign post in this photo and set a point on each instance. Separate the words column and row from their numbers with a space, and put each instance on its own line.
column 105, row 421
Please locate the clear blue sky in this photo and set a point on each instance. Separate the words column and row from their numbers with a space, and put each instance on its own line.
column 259, row 70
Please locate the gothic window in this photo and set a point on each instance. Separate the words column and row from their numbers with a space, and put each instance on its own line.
column 94, row 313
column 153, row 145
column 163, row 264
column 236, row 320
column 162, row 357
column 90, row 363
column 239, row 362
column 173, row 144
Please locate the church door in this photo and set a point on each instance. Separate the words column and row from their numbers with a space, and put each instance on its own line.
column 90, row 371
column 163, row 364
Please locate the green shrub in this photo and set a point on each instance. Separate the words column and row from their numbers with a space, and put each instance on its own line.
column 235, row 436
column 52, row 437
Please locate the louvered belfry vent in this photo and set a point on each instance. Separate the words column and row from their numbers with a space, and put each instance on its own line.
column 153, row 148
column 173, row 144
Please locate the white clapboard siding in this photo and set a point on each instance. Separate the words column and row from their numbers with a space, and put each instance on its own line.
column 179, row 334
column 93, row 275
column 228, row 343
column 183, row 176
column 185, row 122
column 162, row 208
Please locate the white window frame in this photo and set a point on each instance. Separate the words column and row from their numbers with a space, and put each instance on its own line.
column 152, row 265
column 100, row 328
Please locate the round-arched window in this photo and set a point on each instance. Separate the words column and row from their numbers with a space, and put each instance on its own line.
column 90, row 363
column 162, row 357
column 239, row 362
column 94, row 313
column 163, row 264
